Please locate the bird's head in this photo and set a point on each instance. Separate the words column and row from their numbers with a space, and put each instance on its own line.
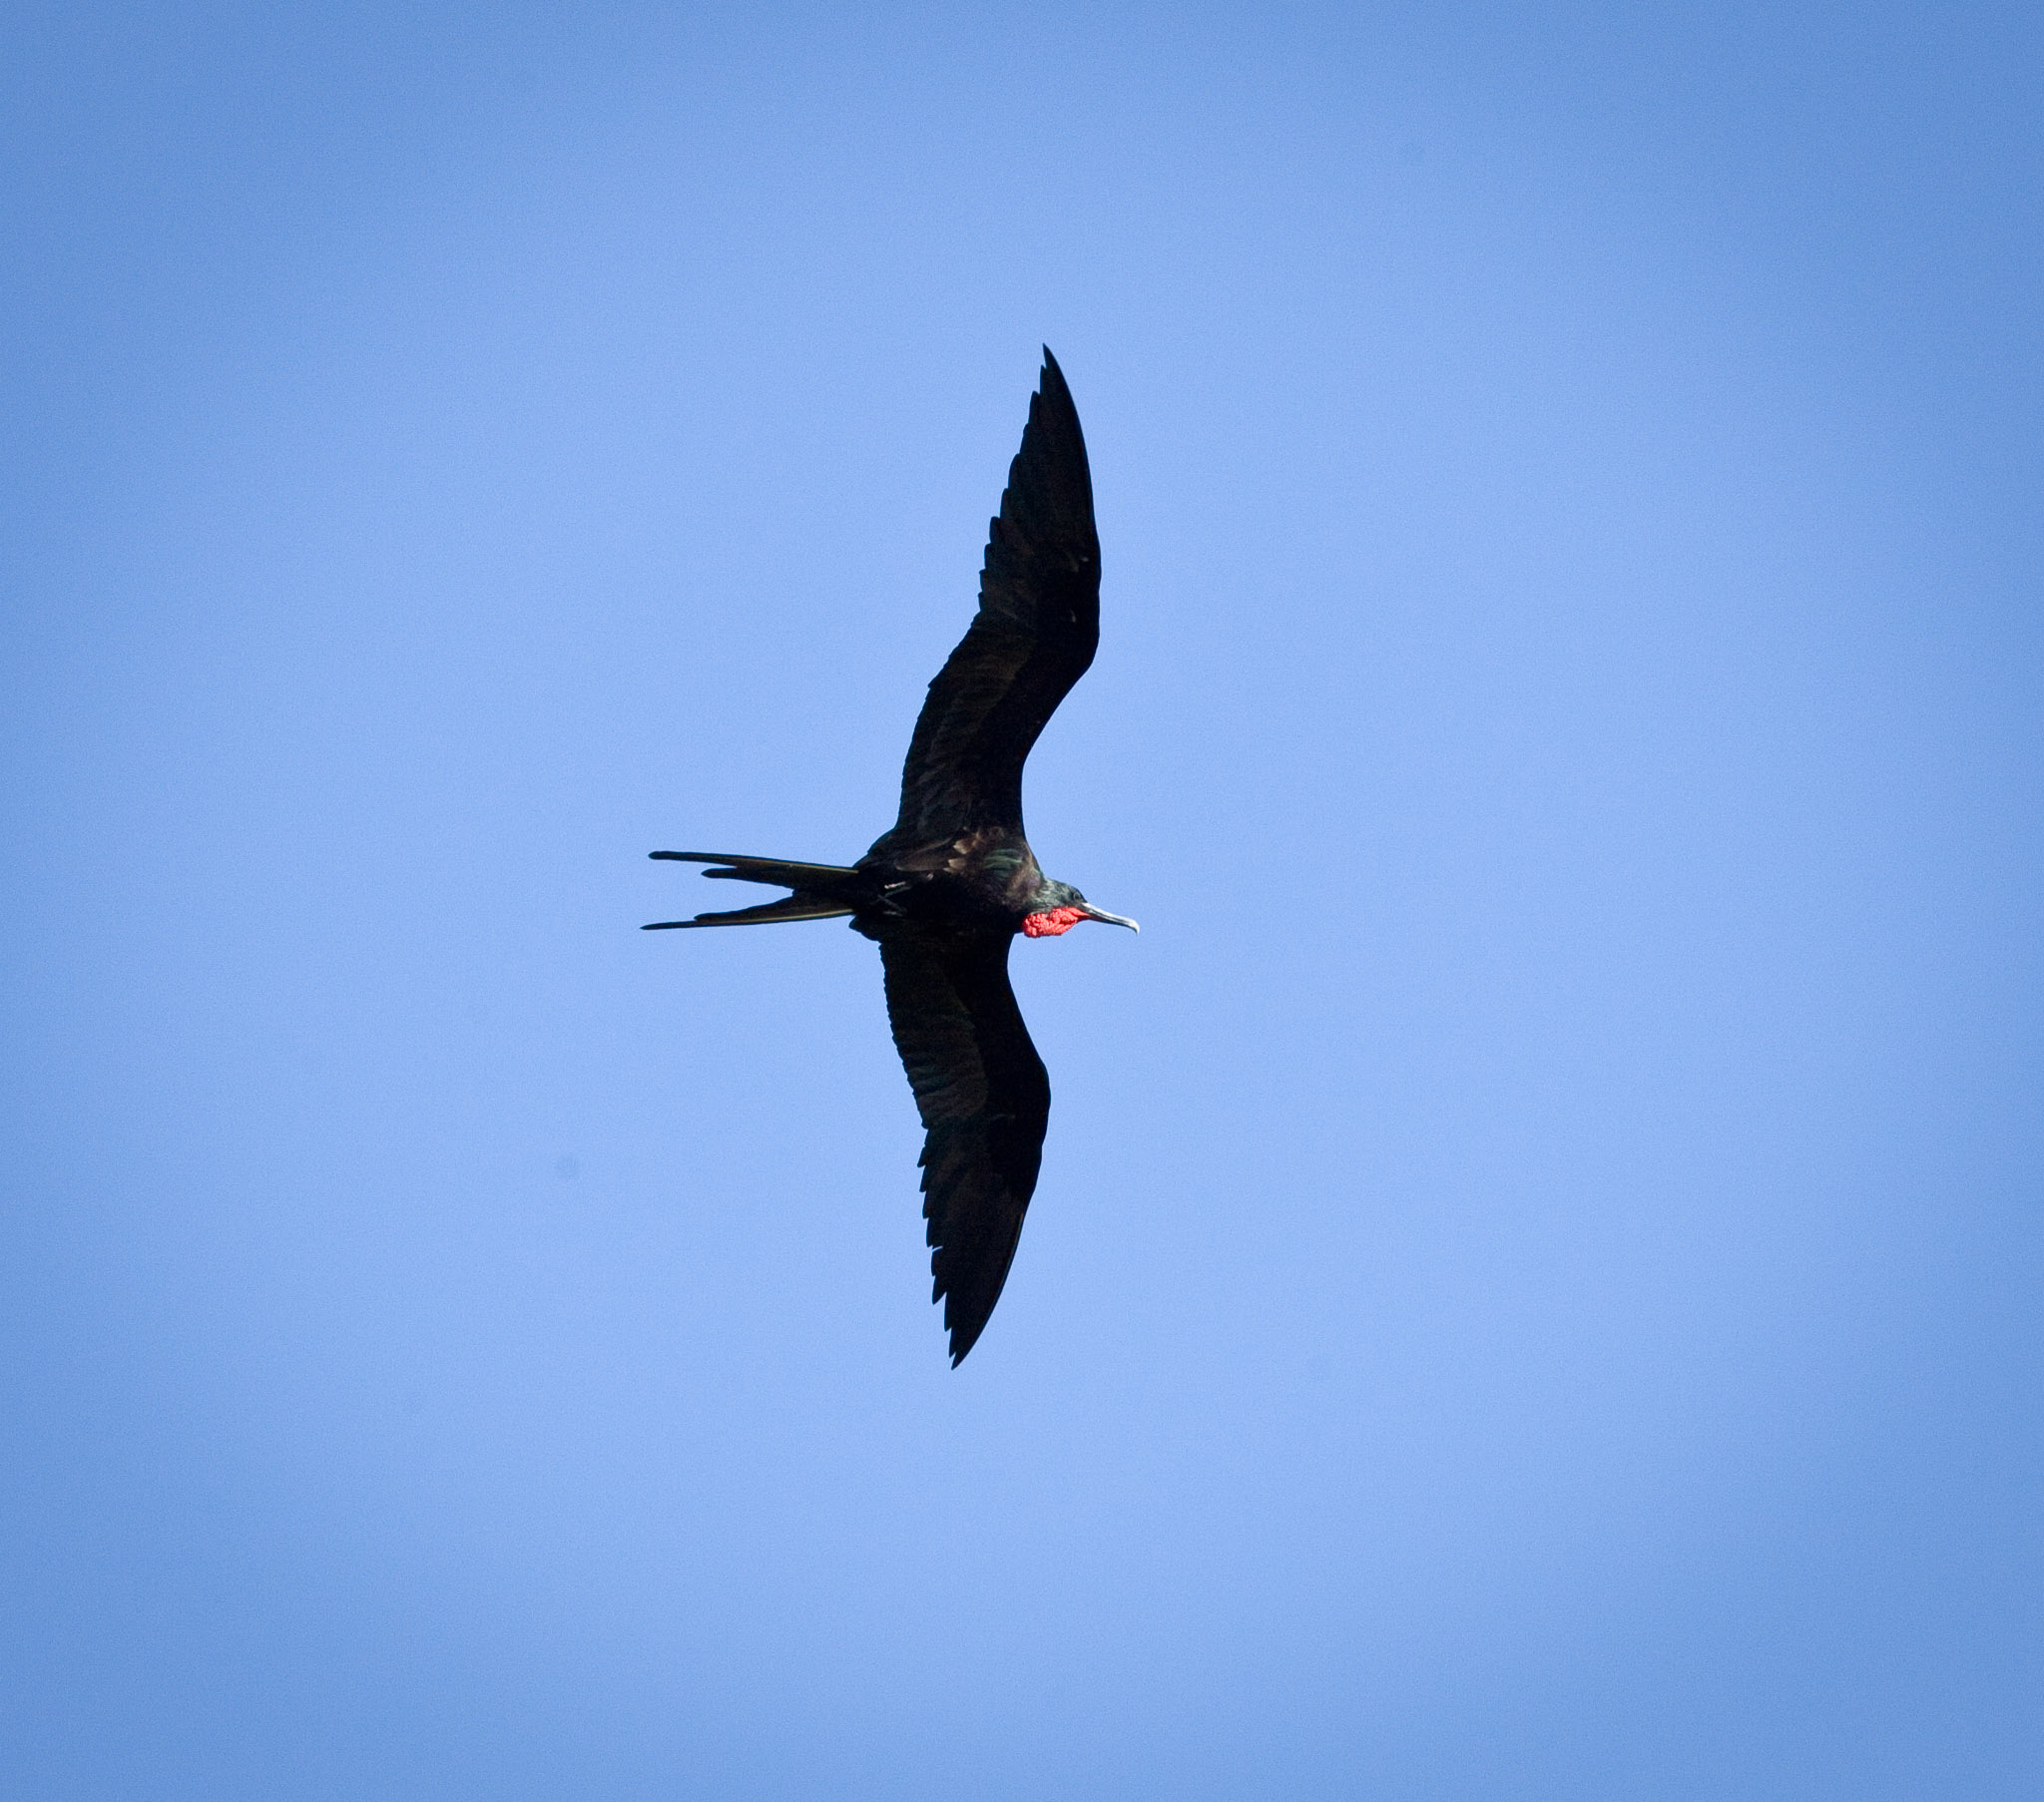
column 1057, row 907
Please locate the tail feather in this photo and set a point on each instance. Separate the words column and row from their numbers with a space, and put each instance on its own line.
column 822, row 892
column 820, row 877
column 789, row 907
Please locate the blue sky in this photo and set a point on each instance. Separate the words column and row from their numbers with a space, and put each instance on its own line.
column 1533, row 1291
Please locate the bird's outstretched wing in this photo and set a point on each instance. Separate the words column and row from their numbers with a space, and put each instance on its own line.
column 1037, row 628
column 984, row 1097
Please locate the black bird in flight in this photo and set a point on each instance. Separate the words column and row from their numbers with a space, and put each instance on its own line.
column 947, row 887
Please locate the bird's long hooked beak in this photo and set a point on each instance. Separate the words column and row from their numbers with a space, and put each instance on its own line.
column 1101, row 913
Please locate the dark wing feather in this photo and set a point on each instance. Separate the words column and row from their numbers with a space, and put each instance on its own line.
column 984, row 1097
column 1037, row 628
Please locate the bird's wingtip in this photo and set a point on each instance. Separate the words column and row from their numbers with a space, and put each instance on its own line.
column 964, row 1336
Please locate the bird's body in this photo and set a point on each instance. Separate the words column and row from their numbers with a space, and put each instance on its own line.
column 948, row 887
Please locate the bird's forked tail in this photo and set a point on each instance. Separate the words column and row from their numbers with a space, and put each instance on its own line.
column 822, row 890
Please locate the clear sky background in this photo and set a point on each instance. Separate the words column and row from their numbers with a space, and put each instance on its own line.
column 1535, row 1285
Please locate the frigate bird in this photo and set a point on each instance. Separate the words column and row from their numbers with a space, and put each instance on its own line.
column 947, row 888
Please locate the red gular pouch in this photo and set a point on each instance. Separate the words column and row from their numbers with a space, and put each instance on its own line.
column 1050, row 925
